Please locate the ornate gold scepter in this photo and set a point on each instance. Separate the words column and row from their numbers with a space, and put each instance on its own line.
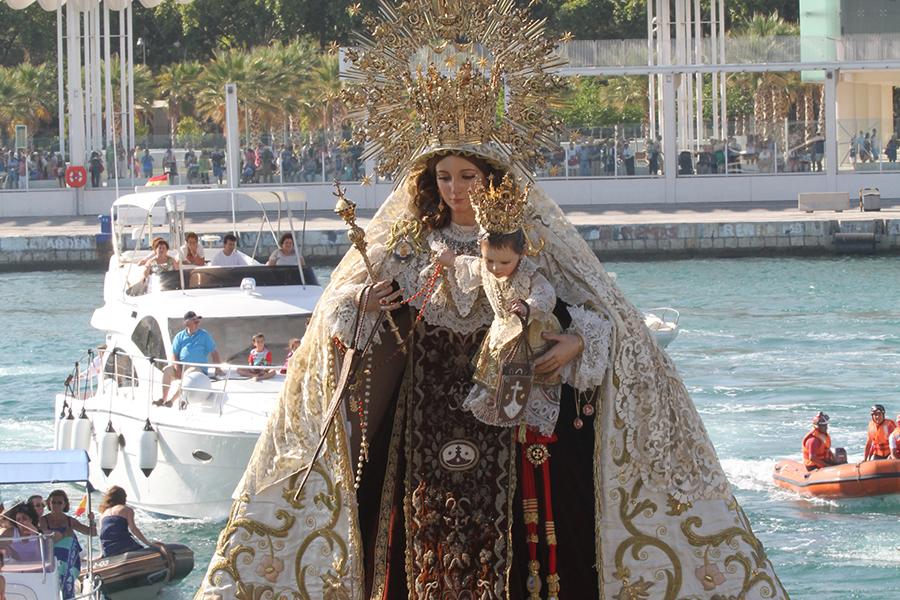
column 347, row 210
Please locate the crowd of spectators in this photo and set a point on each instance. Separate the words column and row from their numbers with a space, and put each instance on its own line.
column 19, row 166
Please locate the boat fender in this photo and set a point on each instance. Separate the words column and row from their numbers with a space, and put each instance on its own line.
column 148, row 449
column 81, row 434
column 58, row 441
column 109, row 449
column 65, row 431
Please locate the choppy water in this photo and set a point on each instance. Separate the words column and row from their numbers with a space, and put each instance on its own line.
column 764, row 345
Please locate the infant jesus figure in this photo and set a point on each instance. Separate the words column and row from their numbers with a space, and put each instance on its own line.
column 505, row 391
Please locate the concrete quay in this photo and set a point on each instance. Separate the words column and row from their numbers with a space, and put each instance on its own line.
column 615, row 232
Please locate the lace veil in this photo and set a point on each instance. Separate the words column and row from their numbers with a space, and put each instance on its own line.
column 663, row 441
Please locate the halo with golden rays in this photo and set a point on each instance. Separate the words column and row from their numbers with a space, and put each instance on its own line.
column 453, row 73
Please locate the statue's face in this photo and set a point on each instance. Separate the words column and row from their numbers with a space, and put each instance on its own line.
column 456, row 177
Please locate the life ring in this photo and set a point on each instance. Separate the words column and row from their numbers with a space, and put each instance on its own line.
column 76, row 176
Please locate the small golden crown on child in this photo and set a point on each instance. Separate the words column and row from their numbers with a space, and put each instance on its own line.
column 500, row 209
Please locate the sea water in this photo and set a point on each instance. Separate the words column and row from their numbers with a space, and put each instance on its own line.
column 764, row 345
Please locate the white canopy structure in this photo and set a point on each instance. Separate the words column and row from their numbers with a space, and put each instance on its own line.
column 43, row 466
column 79, row 38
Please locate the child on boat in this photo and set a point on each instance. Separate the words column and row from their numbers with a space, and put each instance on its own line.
column 291, row 348
column 259, row 356
column 523, row 302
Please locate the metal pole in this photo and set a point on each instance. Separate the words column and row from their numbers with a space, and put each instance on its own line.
column 698, row 59
column 123, row 83
column 86, row 78
column 830, row 108
column 95, row 77
column 724, row 111
column 60, row 88
column 651, row 79
column 232, row 136
column 107, row 84
column 130, row 35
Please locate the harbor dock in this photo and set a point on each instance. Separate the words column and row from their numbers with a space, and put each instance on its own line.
column 615, row 232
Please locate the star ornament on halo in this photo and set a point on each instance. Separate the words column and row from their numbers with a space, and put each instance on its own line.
column 366, row 181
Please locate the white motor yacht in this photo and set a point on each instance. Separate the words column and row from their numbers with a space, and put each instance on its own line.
column 182, row 460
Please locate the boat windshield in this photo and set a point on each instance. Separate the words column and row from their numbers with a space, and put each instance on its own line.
column 23, row 554
column 233, row 334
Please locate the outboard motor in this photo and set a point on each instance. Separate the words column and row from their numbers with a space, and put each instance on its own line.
column 840, row 456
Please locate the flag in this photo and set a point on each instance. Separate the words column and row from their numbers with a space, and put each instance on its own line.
column 82, row 506
column 158, row 180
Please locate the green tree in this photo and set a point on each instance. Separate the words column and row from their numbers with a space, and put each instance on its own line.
column 177, row 85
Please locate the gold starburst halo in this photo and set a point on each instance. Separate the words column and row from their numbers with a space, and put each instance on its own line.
column 495, row 99
column 501, row 208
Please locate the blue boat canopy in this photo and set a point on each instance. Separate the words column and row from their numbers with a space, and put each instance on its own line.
column 43, row 466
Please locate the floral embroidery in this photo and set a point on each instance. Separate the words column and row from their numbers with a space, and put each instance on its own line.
column 270, row 567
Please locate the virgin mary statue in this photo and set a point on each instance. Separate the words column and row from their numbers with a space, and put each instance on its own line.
column 411, row 496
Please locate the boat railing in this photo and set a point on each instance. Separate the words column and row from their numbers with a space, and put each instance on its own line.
column 93, row 380
column 28, row 554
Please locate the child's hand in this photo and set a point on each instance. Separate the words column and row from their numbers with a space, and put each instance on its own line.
column 519, row 307
column 447, row 257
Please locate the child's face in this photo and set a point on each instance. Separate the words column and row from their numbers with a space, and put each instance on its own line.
column 259, row 343
column 501, row 262
column 294, row 346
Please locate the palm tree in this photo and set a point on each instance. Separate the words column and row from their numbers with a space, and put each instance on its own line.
column 28, row 95
column 773, row 93
column 177, row 84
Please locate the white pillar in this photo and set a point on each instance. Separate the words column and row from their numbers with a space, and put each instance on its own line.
column 232, row 136
column 651, row 78
column 107, row 81
column 831, row 154
column 123, row 83
column 60, row 88
column 96, row 78
column 75, row 93
column 722, row 93
column 86, row 79
column 670, row 148
column 129, row 43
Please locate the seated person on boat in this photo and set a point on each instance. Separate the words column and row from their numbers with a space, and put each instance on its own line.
column 19, row 527
column 229, row 256
column 159, row 261
column 117, row 527
column 193, row 345
column 894, row 440
column 285, row 253
column 259, row 356
column 817, row 451
column 36, row 500
column 191, row 254
column 878, row 446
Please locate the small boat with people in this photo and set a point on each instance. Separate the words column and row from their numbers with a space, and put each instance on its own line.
column 850, row 480
column 170, row 405
column 31, row 563
column 825, row 473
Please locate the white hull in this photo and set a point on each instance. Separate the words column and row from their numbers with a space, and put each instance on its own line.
column 198, row 466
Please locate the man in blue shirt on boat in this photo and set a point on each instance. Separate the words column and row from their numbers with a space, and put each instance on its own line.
column 190, row 345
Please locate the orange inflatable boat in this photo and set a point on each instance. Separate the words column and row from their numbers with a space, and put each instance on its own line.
column 853, row 480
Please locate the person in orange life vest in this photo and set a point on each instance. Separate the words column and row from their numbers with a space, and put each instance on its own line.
column 817, row 444
column 878, row 444
column 894, row 440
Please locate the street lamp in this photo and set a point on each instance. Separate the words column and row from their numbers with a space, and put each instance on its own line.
column 143, row 45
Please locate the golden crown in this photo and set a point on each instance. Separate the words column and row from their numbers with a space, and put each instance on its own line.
column 453, row 73
column 500, row 209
